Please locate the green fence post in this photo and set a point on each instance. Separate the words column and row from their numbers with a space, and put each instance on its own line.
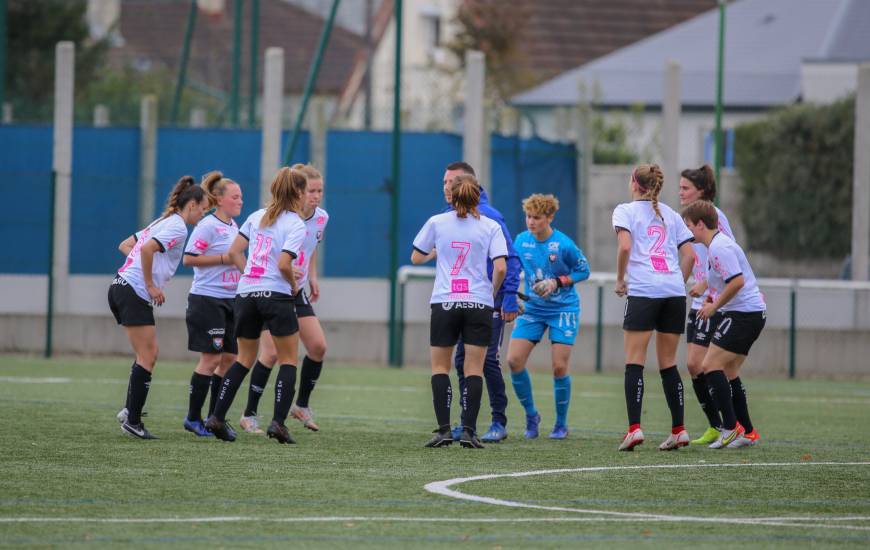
column 182, row 67
column 396, row 186
column 49, row 314
column 599, row 328
column 792, row 330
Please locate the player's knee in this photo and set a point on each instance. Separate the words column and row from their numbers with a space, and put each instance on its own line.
column 268, row 358
column 317, row 351
column 560, row 371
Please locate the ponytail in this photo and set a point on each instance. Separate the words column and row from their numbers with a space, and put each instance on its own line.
column 214, row 185
column 288, row 187
column 185, row 190
column 649, row 178
column 465, row 195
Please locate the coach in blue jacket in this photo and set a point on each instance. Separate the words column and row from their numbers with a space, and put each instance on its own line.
column 506, row 310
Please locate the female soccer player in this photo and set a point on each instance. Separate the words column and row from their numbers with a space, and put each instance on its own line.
column 273, row 237
column 462, row 301
column 655, row 252
column 742, row 313
column 552, row 264
column 695, row 185
column 210, row 302
column 310, row 331
column 153, row 255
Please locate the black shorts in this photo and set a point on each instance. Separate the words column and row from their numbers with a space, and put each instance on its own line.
column 701, row 332
column 303, row 305
column 736, row 331
column 471, row 320
column 265, row 309
column 661, row 314
column 128, row 307
column 210, row 324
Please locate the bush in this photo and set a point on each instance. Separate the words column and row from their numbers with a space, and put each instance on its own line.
column 796, row 167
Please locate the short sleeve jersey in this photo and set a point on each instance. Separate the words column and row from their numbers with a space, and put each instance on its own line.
column 212, row 237
column 170, row 233
column 699, row 272
column 265, row 246
column 554, row 257
column 654, row 262
column 463, row 246
column 726, row 260
column 314, row 228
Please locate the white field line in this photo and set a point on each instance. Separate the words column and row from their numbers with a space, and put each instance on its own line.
column 324, row 519
column 444, row 488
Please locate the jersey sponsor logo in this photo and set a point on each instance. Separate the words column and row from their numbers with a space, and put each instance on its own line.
column 321, row 220
column 200, row 244
column 552, row 258
column 171, row 244
column 258, row 294
column 553, row 247
column 567, row 319
column 119, row 281
column 447, row 306
column 459, row 286
column 527, row 245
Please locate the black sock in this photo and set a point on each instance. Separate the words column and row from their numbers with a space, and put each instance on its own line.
column 699, row 384
column 471, row 401
column 633, row 392
column 232, row 380
column 720, row 393
column 285, row 388
column 130, row 388
column 442, row 396
column 741, row 406
column 310, row 374
column 259, row 378
column 216, row 383
column 199, row 384
column 140, row 381
column 673, row 386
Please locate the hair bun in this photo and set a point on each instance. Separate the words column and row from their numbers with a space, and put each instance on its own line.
column 187, row 181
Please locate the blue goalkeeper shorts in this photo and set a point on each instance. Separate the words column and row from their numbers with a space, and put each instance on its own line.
column 563, row 326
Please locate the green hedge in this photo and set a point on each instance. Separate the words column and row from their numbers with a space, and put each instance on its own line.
column 796, row 167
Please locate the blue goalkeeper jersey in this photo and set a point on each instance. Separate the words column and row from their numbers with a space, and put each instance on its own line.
column 550, row 259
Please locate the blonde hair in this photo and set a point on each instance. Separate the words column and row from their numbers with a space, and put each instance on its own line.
column 215, row 185
column 465, row 195
column 541, row 205
column 287, row 188
column 649, row 178
column 185, row 190
column 311, row 173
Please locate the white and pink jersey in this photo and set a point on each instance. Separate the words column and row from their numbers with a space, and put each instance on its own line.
column 463, row 245
column 212, row 237
column 314, row 228
column 699, row 272
column 654, row 261
column 726, row 261
column 170, row 233
column 265, row 246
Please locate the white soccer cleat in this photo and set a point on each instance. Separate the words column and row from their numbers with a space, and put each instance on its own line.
column 303, row 414
column 631, row 440
column 122, row 415
column 728, row 437
column 741, row 441
column 250, row 425
column 675, row 441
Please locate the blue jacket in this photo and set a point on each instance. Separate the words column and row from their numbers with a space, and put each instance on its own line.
column 507, row 295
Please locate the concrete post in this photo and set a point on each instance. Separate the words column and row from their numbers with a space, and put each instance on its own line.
column 861, row 182
column 147, row 158
column 64, row 78
column 198, row 118
column 101, row 116
column 584, row 148
column 7, row 113
column 319, row 128
column 474, row 137
column 273, row 95
column 671, row 107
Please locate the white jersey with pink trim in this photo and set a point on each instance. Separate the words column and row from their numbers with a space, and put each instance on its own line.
column 170, row 233
column 463, row 245
column 212, row 237
column 314, row 228
column 265, row 246
column 699, row 272
column 654, row 260
column 727, row 260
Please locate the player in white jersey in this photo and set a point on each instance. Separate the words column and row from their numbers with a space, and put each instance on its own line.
column 212, row 294
column 310, row 331
column 273, row 237
column 655, row 253
column 700, row 184
column 462, row 300
column 735, row 295
column 153, row 255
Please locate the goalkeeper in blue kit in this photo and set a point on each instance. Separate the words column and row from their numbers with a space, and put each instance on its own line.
column 552, row 264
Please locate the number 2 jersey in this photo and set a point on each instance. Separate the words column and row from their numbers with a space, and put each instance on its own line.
column 265, row 246
column 654, row 261
column 212, row 237
column 314, row 228
column 549, row 259
column 170, row 233
column 463, row 246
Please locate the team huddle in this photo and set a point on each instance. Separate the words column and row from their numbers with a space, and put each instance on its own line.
column 254, row 287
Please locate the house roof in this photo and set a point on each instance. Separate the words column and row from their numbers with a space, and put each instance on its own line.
column 153, row 33
column 765, row 44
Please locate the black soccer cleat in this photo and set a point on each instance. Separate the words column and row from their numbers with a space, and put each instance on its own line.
column 280, row 432
column 220, row 429
column 137, row 430
column 442, row 438
column 469, row 440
